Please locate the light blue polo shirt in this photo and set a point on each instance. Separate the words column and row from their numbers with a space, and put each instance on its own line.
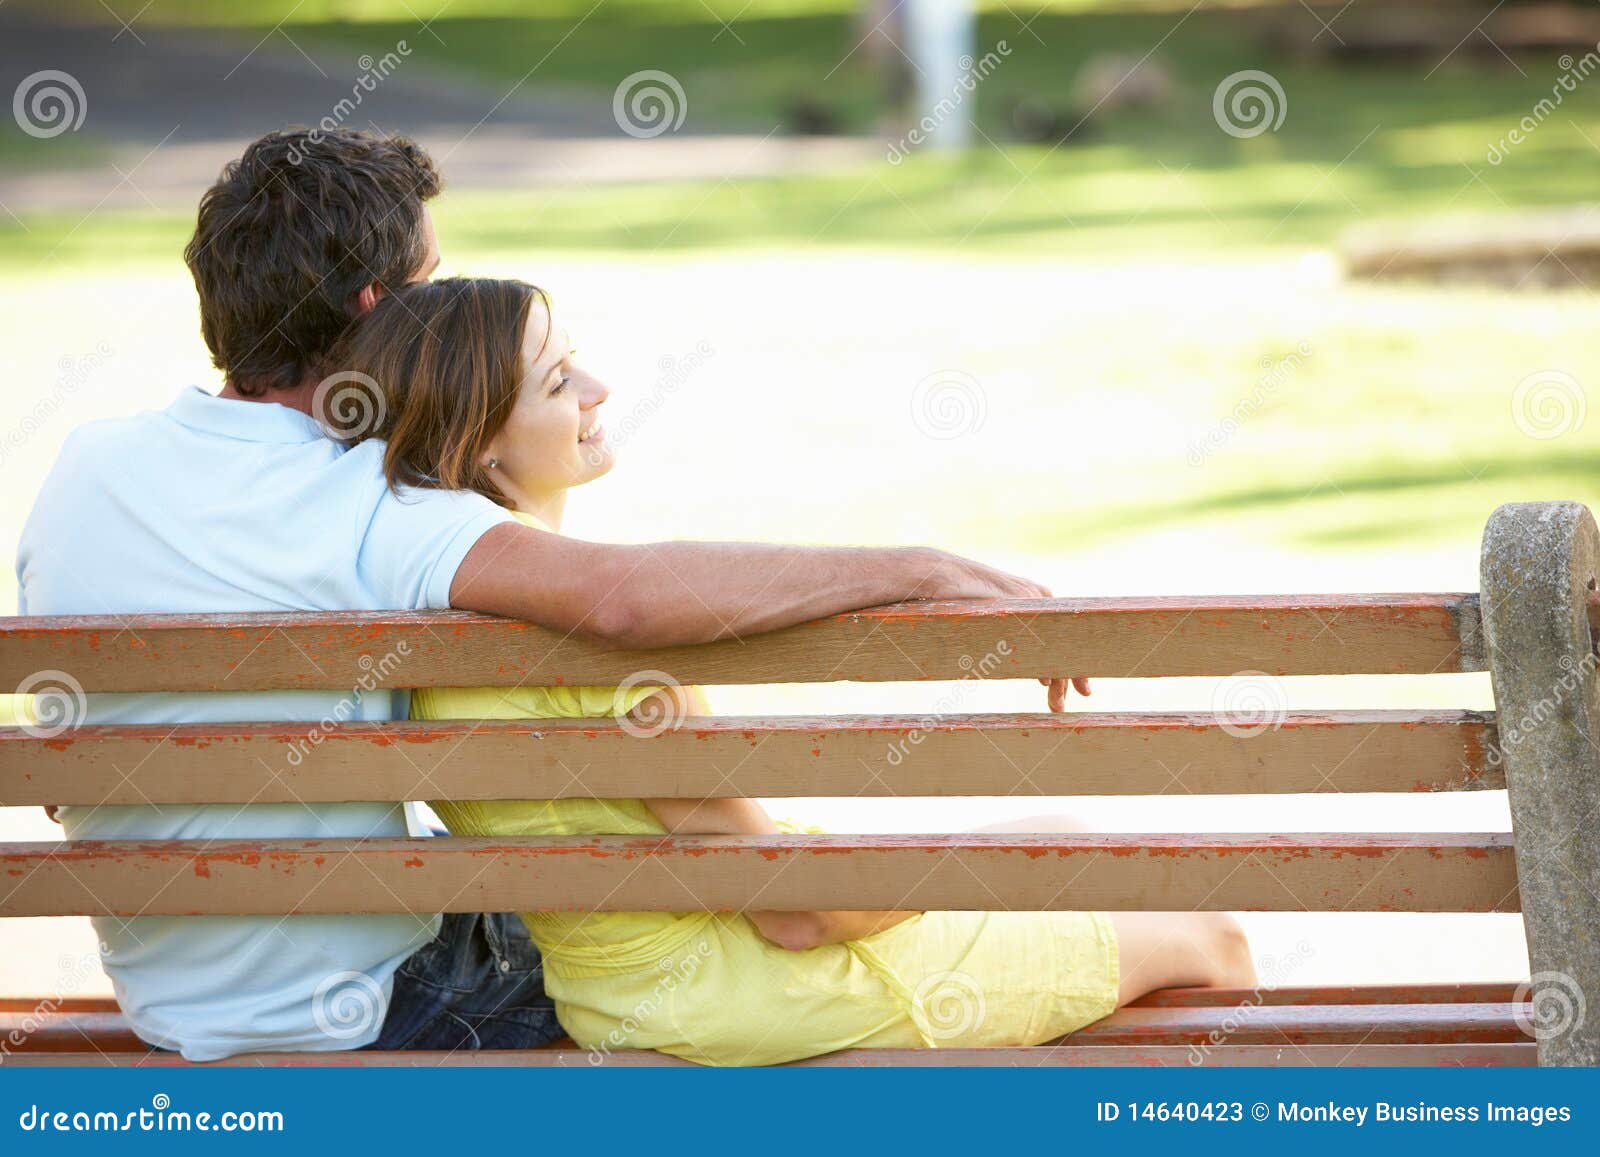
column 219, row 505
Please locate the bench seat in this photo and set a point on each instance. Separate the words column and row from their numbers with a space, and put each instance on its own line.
column 1437, row 1024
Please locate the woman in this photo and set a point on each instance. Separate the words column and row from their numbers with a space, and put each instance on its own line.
column 481, row 390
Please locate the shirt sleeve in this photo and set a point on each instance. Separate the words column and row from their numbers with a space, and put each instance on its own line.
column 416, row 539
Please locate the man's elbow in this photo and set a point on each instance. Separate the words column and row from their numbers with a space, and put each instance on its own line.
column 629, row 625
column 613, row 624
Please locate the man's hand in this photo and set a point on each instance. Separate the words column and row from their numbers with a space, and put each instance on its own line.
column 1057, row 696
column 963, row 578
column 952, row 577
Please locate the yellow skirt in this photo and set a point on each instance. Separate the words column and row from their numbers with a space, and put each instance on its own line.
column 726, row 996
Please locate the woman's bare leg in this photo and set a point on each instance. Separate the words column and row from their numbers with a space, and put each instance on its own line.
column 1162, row 949
column 1179, row 950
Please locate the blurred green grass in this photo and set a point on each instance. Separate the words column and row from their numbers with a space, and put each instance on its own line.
column 1399, row 430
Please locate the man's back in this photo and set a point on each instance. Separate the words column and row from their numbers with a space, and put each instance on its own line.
column 218, row 505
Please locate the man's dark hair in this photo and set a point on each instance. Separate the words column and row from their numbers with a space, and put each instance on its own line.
column 288, row 236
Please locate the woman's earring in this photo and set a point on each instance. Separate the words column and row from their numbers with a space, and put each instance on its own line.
column 494, row 463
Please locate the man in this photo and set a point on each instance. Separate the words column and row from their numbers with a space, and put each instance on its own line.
column 237, row 502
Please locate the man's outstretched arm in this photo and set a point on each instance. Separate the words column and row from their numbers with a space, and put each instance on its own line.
column 670, row 593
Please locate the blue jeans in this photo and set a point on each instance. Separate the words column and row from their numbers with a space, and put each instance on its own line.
column 478, row 985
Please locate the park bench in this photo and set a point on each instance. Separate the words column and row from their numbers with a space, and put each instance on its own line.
column 1530, row 627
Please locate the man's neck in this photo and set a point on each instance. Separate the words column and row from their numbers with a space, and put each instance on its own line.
column 295, row 397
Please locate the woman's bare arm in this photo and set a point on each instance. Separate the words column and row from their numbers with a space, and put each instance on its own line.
column 796, row 931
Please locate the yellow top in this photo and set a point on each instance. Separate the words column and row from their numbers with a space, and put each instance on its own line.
column 574, row 943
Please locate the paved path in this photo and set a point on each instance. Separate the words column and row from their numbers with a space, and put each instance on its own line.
column 175, row 105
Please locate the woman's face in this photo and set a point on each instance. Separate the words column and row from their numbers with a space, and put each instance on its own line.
column 553, row 439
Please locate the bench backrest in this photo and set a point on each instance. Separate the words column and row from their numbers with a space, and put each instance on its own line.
column 1378, row 750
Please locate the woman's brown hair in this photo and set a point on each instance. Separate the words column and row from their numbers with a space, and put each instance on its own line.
column 434, row 368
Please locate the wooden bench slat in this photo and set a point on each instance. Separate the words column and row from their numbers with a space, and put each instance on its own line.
column 1290, row 1055
column 998, row 639
column 872, row 755
column 1466, row 992
column 1430, row 872
column 1234, row 1016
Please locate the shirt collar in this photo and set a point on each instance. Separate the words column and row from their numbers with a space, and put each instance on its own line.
column 246, row 421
